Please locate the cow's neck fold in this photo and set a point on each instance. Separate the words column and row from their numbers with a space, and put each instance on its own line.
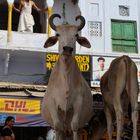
column 67, row 64
column 68, row 70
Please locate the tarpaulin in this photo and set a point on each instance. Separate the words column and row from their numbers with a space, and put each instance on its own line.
column 25, row 110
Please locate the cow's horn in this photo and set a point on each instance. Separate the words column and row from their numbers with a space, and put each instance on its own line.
column 82, row 22
column 51, row 20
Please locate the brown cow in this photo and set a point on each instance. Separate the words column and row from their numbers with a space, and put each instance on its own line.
column 67, row 105
column 119, row 86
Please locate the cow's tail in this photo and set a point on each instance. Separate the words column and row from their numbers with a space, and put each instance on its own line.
column 128, row 64
column 131, row 68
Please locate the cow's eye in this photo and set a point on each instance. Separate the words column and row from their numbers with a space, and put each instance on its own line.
column 57, row 34
column 76, row 35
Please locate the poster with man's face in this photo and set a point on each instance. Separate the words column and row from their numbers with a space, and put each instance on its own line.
column 137, row 62
column 100, row 65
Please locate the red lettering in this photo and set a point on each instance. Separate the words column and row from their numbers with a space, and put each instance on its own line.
column 16, row 105
column 25, row 109
column 19, row 105
column 9, row 105
column 24, row 104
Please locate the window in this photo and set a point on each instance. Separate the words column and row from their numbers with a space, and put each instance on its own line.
column 123, row 10
column 124, row 36
column 94, row 28
column 94, row 7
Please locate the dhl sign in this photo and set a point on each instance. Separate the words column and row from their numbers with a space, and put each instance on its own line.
column 19, row 106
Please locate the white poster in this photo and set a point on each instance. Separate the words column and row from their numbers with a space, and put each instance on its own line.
column 100, row 65
column 137, row 62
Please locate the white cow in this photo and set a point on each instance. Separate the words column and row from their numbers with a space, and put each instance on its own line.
column 67, row 105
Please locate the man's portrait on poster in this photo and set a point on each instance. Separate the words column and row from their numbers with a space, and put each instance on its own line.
column 100, row 69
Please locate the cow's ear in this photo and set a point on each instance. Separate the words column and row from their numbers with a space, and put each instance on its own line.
column 83, row 42
column 50, row 41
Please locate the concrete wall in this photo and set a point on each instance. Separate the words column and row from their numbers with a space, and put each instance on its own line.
column 113, row 13
column 102, row 12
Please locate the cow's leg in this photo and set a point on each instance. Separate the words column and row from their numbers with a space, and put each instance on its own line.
column 75, row 126
column 119, row 116
column 76, row 115
column 117, row 91
column 134, row 113
column 109, row 122
column 57, row 134
column 75, row 135
column 134, row 120
column 57, row 124
column 132, row 91
column 60, row 135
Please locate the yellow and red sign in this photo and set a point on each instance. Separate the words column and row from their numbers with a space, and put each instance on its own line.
column 19, row 106
column 83, row 61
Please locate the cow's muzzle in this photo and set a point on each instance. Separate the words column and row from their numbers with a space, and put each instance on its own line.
column 67, row 49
